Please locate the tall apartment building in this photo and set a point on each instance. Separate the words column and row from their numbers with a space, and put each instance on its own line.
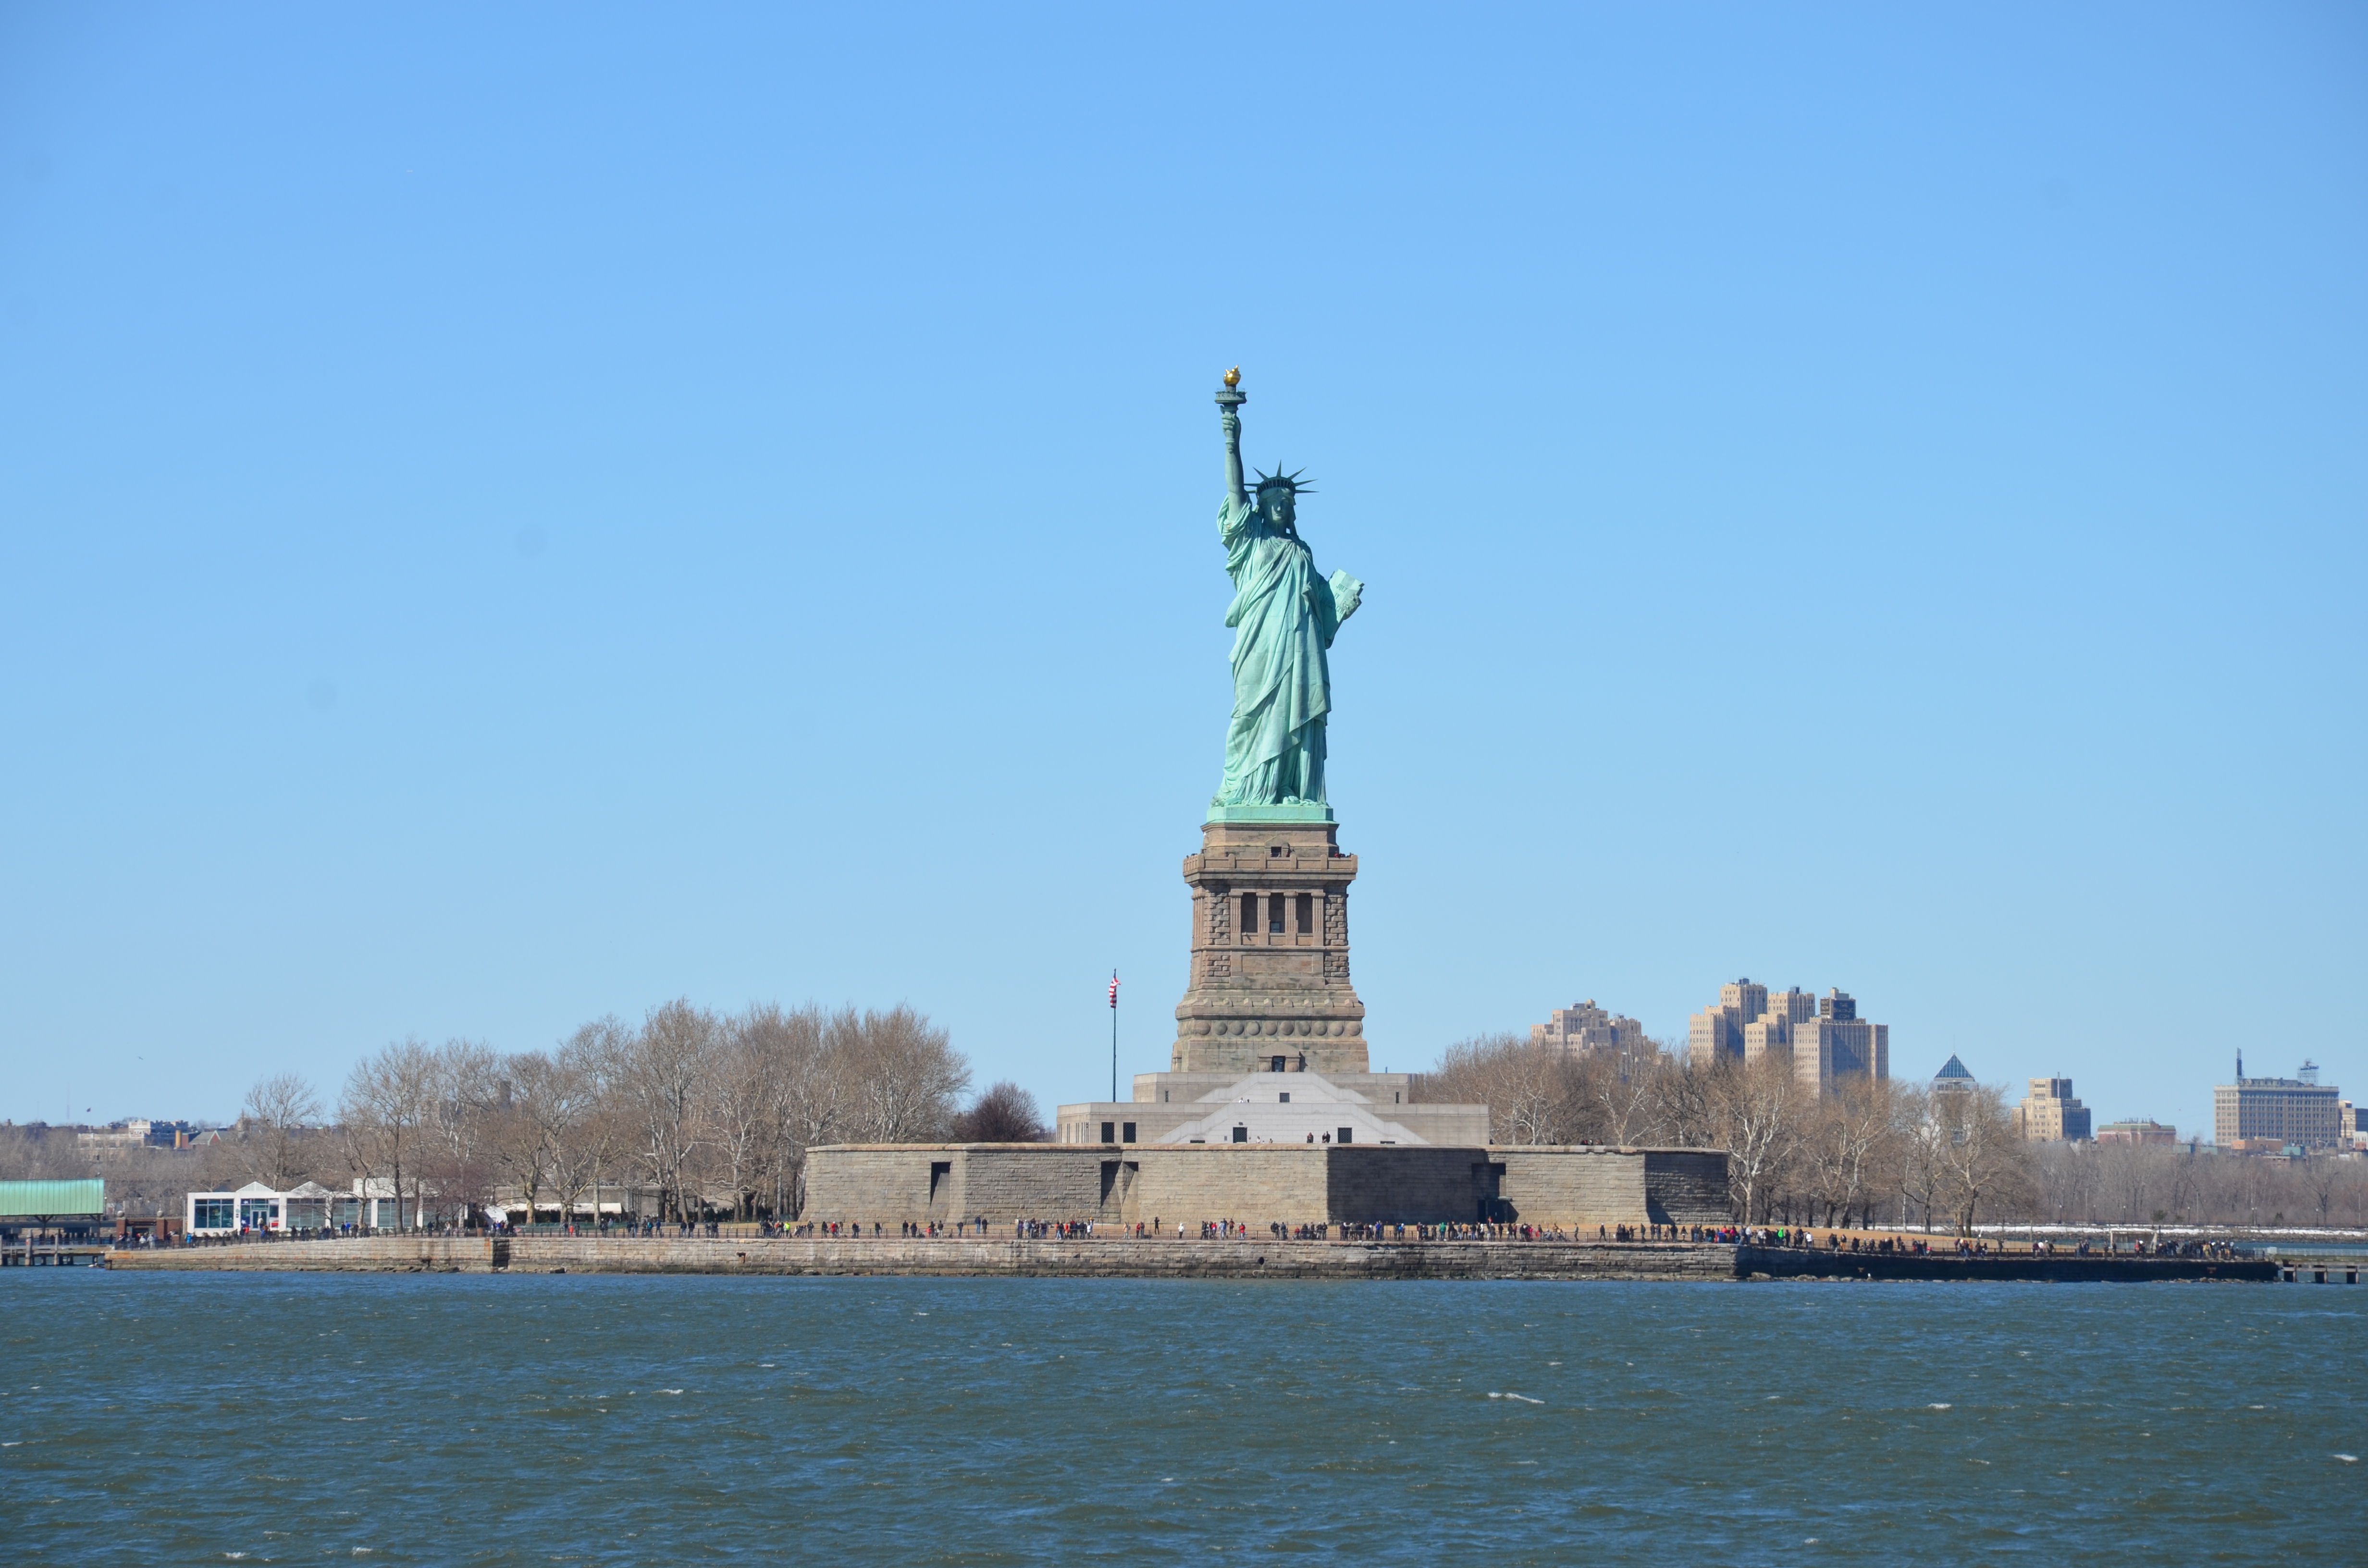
column 2049, row 1113
column 1718, row 1031
column 1583, row 1029
column 1837, row 1043
column 1822, row 1038
column 2279, row 1111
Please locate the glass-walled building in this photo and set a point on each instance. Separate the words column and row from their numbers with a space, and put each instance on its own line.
column 255, row 1209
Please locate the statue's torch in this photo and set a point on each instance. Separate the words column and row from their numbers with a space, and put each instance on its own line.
column 1230, row 398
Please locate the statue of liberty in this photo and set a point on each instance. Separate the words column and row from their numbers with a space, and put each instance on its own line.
column 1284, row 617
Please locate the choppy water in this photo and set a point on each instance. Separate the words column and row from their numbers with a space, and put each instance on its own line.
column 604, row 1419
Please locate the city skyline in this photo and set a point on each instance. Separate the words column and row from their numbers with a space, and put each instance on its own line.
column 2048, row 1110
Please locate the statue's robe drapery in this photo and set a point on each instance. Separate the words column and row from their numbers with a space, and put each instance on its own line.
column 1283, row 618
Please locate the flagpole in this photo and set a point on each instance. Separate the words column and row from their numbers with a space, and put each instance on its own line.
column 1114, row 1035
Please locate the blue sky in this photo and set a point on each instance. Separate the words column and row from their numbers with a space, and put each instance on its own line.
column 508, row 516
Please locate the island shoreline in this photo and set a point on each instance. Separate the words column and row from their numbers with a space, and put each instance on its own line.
column 1135, row 1258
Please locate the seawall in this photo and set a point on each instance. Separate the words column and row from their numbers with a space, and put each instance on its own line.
column 1810, row 1263
column 365, row 1255
column 968, row 1256
column 1133, row 1259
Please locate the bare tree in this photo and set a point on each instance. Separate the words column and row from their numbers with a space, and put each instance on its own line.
column 701, row 1105
column 1755, row 1114
column 2125, row 1180
column 1619, row 1095
column 519, row 1129
column 2352, row 1191
column 2321, row 1177
column 1846, row 1144
column 152, row 1181
column 811, row 1095
column 384, row 1112
column 663, row 1083
column 1922, row 1170
column 39, row 1153
column 2066, row 1181
column 902, row 1075
column 1531, row 1091
column 2186, row 1187
column 601, row 1130
column 553, row 1128
column 275, row 1124
column 1976, row 1155
column 1686, row 1102
column 744, row 1091
column 1005, row 1114
column 463, row 1089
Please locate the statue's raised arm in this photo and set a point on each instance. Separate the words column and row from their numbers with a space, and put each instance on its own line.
column 1284, row 616
column 1229, row 419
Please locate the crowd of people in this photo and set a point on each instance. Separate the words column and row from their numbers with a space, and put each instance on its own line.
column 1155, row 1228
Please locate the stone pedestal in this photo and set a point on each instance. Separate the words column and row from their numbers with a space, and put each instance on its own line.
column 1269, row 990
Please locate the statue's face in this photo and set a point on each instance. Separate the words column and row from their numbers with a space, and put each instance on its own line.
column 1280, row 511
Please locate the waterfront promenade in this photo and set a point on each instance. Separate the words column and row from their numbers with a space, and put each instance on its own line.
column 1128, row 1257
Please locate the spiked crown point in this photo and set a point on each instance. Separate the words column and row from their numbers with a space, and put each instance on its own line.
column 1279, row 479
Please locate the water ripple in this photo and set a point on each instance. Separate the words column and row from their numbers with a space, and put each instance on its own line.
column 403, row 1419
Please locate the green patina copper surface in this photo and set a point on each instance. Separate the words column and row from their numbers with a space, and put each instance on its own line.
column 1304, row 811
column 40, row 1199
column 1284, row 616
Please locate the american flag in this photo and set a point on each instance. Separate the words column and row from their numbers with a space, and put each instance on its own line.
column 1113, row 990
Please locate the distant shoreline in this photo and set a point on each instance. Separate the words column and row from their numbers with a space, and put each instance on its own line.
column 978, row 1257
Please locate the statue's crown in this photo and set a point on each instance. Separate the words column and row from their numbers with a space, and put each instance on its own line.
column 1279, row 479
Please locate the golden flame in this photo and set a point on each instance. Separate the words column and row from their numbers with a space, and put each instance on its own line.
column 1234, row 377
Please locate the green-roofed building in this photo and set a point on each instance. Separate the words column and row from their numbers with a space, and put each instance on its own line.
column 47, row 1202
column 49, row 1207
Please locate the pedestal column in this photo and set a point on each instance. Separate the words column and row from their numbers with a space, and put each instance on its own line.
column 1269, row 988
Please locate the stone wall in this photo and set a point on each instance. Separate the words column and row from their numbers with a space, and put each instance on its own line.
column 1406, row 1186
column 1686, row 1187
column 883, row 1178
column 1254, row 1258
column 1005, row 1181
column 1254, row 1183
column 359, row 1254
column 1585, row 1186
column 1100, row 1258
column 1592, row 1185
column 891, row 1185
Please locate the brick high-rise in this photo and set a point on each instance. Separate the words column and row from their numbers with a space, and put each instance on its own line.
column 1822, row 1037
column 2273, row 1112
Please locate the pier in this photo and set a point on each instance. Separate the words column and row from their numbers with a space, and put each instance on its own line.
column 31, row 1254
